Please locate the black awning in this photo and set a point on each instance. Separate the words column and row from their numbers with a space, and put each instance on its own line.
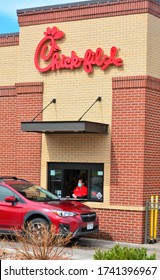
column 65, row 127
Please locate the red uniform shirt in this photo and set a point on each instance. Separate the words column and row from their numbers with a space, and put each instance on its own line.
column 80, row 191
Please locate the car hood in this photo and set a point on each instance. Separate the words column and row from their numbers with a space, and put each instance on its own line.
column 66, row 205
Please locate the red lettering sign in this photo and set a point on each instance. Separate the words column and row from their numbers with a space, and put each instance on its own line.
column 48, row 52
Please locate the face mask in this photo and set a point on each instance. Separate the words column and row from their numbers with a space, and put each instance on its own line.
column 79, row 184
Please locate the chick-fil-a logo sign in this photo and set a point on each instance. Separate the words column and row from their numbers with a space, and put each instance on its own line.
column 48, row 51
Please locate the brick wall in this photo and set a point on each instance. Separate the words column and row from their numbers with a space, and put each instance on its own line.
column 122, row 226
column 127, row 140
column 152, row 140
column 135, row 152
column 73, row 12
column 20, row 152
column 8, row 100
column 135, row 157
column 9, row 40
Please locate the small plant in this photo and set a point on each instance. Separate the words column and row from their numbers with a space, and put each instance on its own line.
column 123, row 253
column 49, row 246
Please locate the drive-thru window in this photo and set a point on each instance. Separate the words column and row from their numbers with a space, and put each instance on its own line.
column 63, row 178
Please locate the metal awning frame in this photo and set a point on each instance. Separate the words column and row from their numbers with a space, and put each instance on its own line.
column 64, row 127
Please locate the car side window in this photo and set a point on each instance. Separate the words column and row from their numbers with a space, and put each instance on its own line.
column 5, row 192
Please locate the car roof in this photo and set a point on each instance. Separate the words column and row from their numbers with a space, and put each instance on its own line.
column 10, row 180
column 4, row 178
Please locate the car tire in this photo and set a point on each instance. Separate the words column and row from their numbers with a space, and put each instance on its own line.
column 36, row 228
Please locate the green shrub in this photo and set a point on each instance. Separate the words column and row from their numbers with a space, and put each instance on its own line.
column 123, row 253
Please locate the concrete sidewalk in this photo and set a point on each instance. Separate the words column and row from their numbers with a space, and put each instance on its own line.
column 88, row 246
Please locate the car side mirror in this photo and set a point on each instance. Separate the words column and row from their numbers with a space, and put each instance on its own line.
column 11, row 199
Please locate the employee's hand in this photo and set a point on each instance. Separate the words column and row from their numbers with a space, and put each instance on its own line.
column 74, row 195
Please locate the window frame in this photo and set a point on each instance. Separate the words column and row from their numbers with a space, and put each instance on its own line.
column 77, row 166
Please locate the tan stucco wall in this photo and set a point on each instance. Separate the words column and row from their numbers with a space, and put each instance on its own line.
column 153, row 47
column 8, row 65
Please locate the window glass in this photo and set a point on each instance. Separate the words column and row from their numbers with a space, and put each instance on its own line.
column 34, row 192
column 56, row 182
column 96, row 185
column 5, row 192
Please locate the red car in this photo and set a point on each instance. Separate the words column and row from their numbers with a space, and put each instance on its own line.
column 23, row 203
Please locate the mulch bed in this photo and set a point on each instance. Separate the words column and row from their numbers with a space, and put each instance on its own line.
column 8, row 255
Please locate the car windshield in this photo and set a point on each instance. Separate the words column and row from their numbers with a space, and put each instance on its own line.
column 34, row 192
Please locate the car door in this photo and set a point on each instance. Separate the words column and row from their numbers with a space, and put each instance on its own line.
column 10, row 214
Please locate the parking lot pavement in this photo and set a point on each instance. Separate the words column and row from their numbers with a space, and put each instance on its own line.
column 88, row 246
